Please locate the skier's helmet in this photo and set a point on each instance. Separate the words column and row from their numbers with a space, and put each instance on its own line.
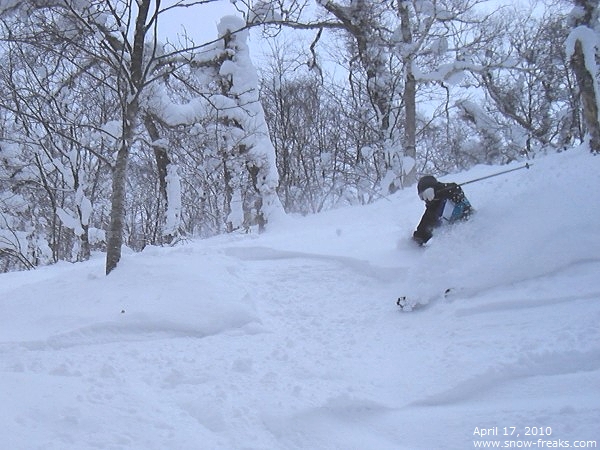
column 425, row 182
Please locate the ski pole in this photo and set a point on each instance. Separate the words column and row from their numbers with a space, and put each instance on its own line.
column 526, row 166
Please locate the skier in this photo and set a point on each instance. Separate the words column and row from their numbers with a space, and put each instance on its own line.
column 444, row 203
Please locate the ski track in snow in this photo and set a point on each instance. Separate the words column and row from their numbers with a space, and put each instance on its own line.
column 293, row 341
column 547, row 364
column 361, row 267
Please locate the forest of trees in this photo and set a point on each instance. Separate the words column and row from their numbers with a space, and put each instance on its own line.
column 112, row 136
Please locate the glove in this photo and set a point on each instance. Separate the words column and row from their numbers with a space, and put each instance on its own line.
column 418, row 238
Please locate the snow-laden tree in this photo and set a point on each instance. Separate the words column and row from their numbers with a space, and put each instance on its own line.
column 401, row 47
column 92, row 41
column 529, row 86
column 239, row 107
column 370, row 26
column 582, row 47
column 115, row 44
column 312, row 129
column 219, row 89
column 18, row 232
column 54, row 131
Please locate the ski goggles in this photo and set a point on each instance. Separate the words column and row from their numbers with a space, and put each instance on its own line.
column 427, row 195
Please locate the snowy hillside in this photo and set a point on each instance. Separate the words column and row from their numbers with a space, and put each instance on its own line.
column 292, row 339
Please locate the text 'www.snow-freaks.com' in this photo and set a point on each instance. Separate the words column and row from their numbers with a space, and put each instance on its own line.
column 540, row 443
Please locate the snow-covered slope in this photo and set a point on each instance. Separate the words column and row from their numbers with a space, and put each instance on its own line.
column 292, row 339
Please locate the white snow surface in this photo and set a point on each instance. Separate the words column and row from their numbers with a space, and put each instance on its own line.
column 292, row 339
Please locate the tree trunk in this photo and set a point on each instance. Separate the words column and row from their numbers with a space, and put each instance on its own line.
column 227, row 195
column 130, row 112
column 410, row 98
column 160, row 155
column 587, row 91
column 258, row 201
column 162, row 162
column 410, row 127
column 117, row 213
column 85, row 251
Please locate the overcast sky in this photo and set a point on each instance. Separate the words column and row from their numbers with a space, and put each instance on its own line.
column 199, row 21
